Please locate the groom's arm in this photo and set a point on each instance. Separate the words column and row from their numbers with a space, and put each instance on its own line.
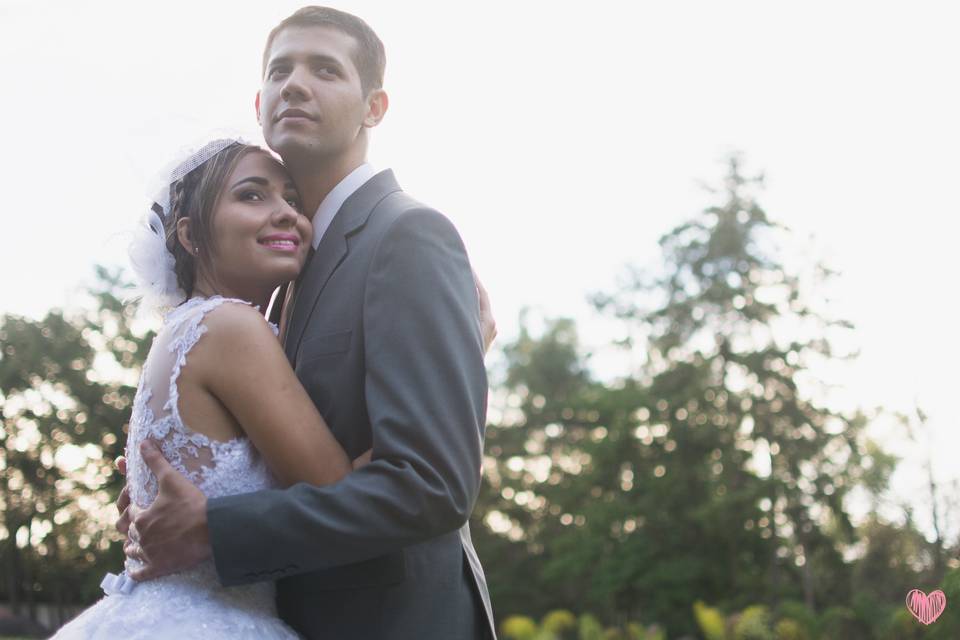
column 426, row 393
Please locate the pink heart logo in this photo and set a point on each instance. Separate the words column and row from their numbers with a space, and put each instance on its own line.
column 926, row 608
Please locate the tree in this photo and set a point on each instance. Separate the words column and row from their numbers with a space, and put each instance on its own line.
column 715, row 471
column 66, row 388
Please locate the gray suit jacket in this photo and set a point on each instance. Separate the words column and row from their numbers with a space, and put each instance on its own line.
column 384, row 337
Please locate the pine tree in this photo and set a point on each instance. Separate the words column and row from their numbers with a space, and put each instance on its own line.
column 734, row 335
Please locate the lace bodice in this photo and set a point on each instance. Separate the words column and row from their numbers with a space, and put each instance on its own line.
column 190, row 604
column 217, row 468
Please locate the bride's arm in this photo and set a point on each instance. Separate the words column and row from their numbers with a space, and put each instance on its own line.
column 242, row 364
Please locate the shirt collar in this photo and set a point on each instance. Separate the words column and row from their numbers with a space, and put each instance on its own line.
column 335, row 199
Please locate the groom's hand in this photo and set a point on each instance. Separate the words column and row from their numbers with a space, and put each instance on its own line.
column 123, row 500
column 171, row 535
column 488, row 325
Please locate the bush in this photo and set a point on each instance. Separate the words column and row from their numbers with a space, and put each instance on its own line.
column 801, row 614
column 788, row 629
column 841, row 623
column 710, row 621
column 753, row 624
column 635, row 631
column 518, row 628
column 903, row 626
column 947, row 627
column 561, row 623
column 590, row 628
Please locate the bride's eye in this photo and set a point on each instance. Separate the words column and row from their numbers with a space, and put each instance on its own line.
column 251, row 196
column 295, row 204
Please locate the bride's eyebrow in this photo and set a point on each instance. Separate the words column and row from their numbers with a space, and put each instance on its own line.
column 255, row 179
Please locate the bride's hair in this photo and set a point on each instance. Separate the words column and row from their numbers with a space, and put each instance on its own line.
column 195, row 197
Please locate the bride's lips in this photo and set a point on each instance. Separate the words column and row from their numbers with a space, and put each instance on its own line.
column 284, row 242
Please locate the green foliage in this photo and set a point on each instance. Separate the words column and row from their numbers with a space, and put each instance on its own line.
column 901, row 625
column 711, row 621
column 590, row 628
column 653, row 632
column 841, row 623
column 753, row 623
column 947, row 627
column 801, row 614
column 561, row 623
column 788, row 629
column 635, row 499
column 66, row 387
column 518, row 628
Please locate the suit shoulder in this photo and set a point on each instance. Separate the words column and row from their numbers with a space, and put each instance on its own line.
column 406, row 215
column 399, row 205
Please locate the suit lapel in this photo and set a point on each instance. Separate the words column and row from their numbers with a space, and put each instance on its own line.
column 331, row 252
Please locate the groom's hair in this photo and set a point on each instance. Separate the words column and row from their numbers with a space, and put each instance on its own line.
column 368, row 55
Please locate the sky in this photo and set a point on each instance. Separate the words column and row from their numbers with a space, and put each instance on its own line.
column 561, row 138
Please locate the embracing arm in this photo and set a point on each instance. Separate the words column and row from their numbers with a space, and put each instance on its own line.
column 241, row 364
column 426, row 392
column 247, row 371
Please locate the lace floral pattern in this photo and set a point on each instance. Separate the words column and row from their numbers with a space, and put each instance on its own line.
column 189, row 604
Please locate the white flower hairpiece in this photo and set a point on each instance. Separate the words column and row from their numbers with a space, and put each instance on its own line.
column 153, row 264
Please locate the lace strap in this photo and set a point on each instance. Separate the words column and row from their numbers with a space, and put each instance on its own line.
column 186, row 327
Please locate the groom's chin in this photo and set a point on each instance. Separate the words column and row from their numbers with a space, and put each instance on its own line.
column 291, row 146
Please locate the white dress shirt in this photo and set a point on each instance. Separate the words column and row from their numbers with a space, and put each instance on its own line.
column 335, row 199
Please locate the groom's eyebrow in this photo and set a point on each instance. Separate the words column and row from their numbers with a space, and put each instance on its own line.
column 323, row 58
column 317, row 58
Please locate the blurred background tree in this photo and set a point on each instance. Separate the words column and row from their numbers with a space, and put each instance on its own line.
column 716, row 471
column 66, row 388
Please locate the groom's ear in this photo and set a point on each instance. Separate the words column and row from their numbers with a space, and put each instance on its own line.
column 377, row 103
column 256, row 105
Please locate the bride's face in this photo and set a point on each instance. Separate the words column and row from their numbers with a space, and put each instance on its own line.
column 260, row 237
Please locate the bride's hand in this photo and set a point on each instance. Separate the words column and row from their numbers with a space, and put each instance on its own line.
column 488, row 326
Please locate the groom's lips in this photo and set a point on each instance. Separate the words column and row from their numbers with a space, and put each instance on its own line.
column 294, row 114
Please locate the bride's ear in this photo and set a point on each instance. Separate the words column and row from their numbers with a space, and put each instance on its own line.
column 183, row 236
column 256, row 105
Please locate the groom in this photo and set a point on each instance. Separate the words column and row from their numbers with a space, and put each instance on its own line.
column 382, row 331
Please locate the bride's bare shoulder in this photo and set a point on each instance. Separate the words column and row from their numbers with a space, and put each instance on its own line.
column 236, row 334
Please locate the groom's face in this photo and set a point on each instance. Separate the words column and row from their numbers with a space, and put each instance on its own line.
column 311, row 103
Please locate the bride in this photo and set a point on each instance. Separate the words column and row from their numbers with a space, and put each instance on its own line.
column 217, row 394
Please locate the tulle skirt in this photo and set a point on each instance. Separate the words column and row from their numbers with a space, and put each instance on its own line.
column 183, row 606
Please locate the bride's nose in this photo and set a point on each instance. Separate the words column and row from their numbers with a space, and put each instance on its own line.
column 285, row 215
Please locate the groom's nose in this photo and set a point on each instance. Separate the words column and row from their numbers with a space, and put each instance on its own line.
column 294, row 86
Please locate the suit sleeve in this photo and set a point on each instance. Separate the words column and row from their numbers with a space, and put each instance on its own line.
column 426, row 395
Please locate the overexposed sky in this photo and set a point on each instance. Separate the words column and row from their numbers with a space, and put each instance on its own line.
column 562, row 138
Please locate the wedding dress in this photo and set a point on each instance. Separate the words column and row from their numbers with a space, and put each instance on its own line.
column 191, row 604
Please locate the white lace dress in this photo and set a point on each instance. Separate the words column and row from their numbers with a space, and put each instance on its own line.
column 191, row 604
